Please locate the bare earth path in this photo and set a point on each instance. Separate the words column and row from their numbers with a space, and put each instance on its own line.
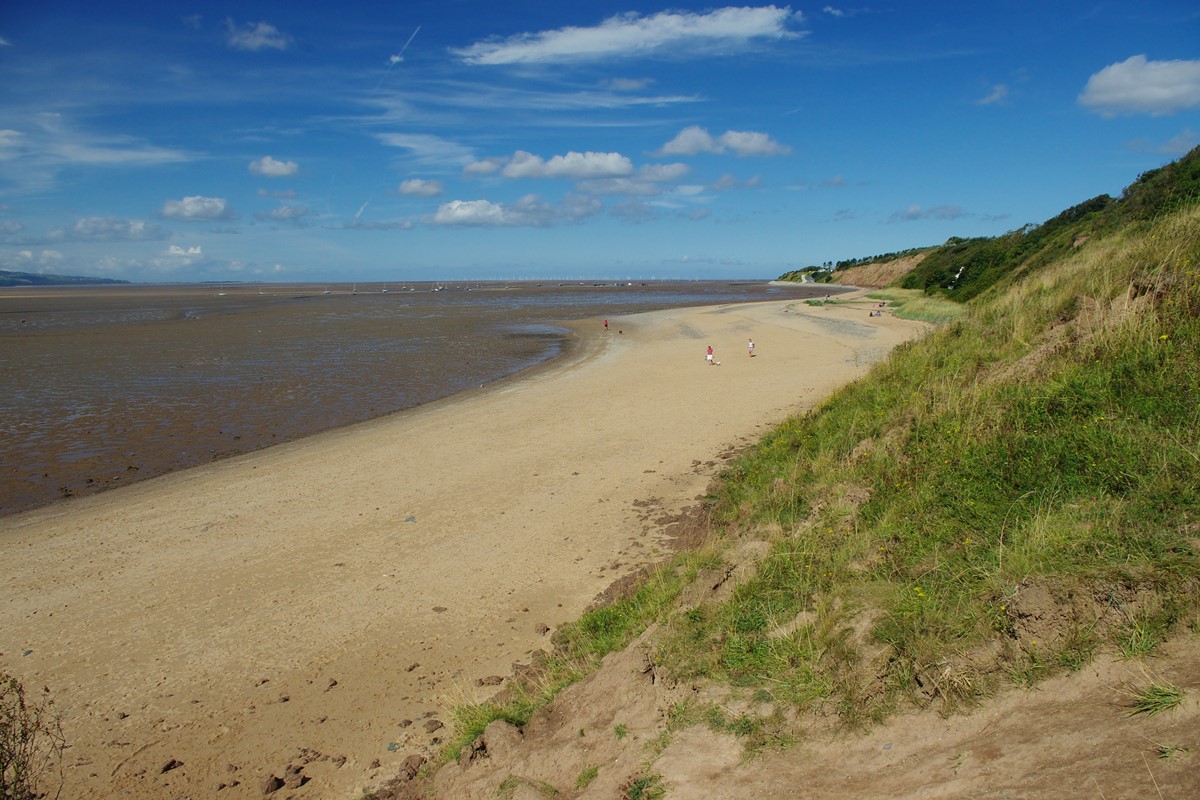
column 297, row 606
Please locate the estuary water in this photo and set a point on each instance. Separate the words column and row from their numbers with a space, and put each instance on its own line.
column 107, row 385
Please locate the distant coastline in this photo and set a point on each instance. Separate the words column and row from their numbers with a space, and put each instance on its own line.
column 9, row 278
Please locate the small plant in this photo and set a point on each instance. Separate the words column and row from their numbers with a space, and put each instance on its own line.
column 621, row 731
column 31, row 743
column 586, row 777
column 645, row 787
column 1168, row 750
column 1156, row 698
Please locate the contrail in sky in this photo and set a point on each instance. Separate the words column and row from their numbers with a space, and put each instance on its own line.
column 396, row 58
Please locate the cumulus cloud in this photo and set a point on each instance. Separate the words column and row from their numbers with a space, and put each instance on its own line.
column 529, row 211
column 114, row 229
column 196, row 208
column 269, row 167
column 693, row 140
column 418, row 187
column 632, row 34
column 1139, row 86
column 486, row 166
column 31, row 261
column 577, row 166
column 646, row 183
column 916, row 212
column 255, row 36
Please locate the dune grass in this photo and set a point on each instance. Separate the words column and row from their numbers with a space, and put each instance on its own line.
column 1046, row 440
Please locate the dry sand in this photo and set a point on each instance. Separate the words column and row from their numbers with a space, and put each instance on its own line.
column 298, row 605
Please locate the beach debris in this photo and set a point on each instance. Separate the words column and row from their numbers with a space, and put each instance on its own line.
column 171, row 764
column 490, row 680
column 439, row 609
column 432, row 725
column 332, row 683
column 410, row 518
column 542, row 629
column 411, row 667
column 393, row 746
column 272, row 784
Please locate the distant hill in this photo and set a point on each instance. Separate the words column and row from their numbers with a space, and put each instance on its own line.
column 8, row 278
column 961, row 269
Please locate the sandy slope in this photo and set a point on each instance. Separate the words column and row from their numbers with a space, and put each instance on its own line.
column 299, row 605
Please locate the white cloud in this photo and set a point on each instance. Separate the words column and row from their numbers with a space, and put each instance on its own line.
column 255, row 36
column 419, row 187
column 487, row 166
column 749, row 143
column 998, row 94
column 628, row 84
column 917, row 212
column 577, row 166
column 1139, row 86
column 834, row 12
column 631, row 34
column 429, row 149
column 271, row 168
column 114, row 229
column 529, row 211
column 647, row 183
column 176, row 250
column 284, row 214
column 29, row 261
column 196, row 208
column 694, row 139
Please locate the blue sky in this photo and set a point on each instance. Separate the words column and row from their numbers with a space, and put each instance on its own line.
column 455, row 139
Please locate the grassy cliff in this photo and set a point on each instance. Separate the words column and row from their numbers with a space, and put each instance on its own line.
column 996, row 503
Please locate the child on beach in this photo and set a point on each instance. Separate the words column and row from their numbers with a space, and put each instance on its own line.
column 750, row 348
column 708, row 356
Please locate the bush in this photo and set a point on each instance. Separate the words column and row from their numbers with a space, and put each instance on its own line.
column 31, row 743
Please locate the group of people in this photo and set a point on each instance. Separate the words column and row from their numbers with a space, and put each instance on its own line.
column 710, row 359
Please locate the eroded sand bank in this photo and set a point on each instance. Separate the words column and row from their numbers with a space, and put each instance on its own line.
column 296, row 606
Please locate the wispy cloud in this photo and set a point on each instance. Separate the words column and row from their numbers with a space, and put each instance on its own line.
column 998, row 94
column 694, row 139
column 1178, row 145
column 255, row 36
column 915, row 213
column 1140, row 86
column 284, row 214
column 632, row 34
column 429, row 149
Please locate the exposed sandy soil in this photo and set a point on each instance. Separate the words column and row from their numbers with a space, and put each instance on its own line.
column 879, row 274
column 1071, row 737
column 320, row 605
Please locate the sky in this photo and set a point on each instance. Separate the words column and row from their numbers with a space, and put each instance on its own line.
column 523, row 139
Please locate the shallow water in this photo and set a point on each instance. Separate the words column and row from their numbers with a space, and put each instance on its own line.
column 107, row 385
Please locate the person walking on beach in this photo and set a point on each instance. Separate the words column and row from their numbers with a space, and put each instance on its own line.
column 750, row 348
column 708, row 356
column 605, row 324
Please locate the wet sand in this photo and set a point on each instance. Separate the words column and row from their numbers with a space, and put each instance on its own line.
column 322, row 604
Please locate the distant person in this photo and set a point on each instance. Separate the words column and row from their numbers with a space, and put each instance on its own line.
column 750, row 348
column 605, row 324
column 708, row 356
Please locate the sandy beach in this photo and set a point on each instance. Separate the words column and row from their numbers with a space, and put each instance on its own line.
column 323, row 604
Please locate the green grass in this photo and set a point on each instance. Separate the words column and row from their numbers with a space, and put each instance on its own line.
column 1046, row 439
column 586, row 777
column 1155, row 699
